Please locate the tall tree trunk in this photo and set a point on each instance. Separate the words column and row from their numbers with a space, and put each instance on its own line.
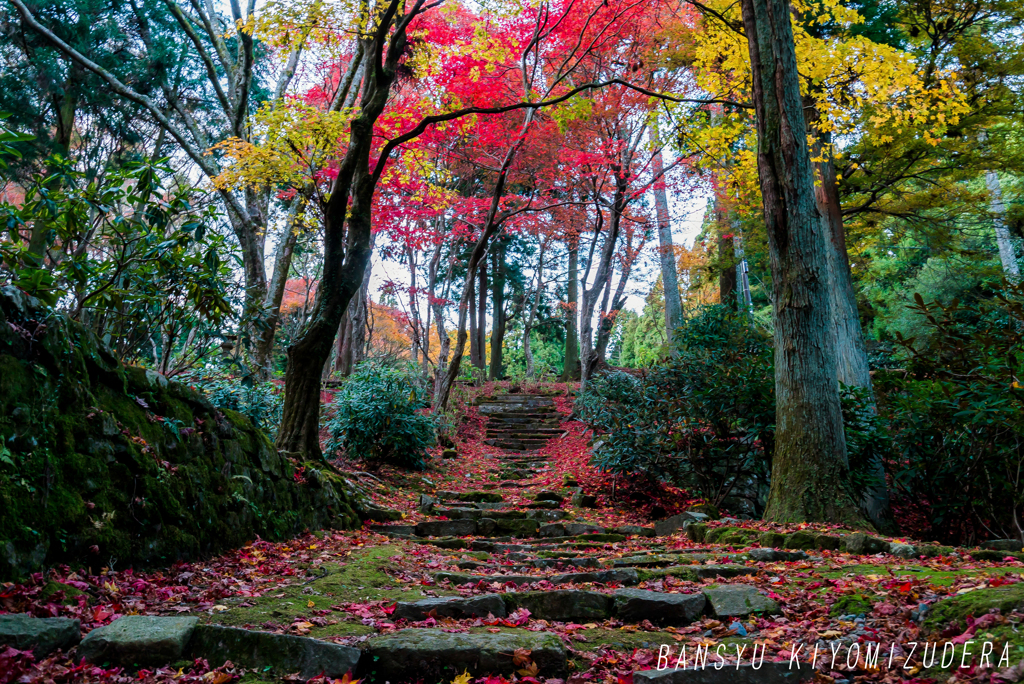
column 571, row 357
column 588, row 360
column 275, row 292
column 481, row 316
column 1007, row 254
column 727, row 275
column 852, row 366
column 667, row 254
column 414, row 309
column 809, row 468
column 532, row 314
column 498, row 305
column 474, row 339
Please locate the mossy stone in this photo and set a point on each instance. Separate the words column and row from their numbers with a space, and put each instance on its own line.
column 801, row 540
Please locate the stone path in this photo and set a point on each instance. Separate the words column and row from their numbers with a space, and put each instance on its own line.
column 520, row 424
column 510, row 569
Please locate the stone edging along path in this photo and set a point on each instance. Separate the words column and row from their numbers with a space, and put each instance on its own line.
column 138, row 641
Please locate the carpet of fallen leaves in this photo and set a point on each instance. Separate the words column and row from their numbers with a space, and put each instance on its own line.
column 898, row 590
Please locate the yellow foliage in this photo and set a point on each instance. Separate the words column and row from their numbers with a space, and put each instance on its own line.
column 858, row 87
column 296, row 140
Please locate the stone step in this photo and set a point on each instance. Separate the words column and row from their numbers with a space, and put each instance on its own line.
column 744, row 673
column 627, row 604
column 517, row 445
column 624, row 576
column 439, row 655
column 484, row 527
column 539, row 415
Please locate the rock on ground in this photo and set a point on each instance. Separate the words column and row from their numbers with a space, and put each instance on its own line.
column 678, row 522
column 40, row 635
column 139, row 640
column 738, row 600
column 768, row 673
column 454, row 607
column 676, row 610
column 562, row 605
column 433, row 655
column 283, row 653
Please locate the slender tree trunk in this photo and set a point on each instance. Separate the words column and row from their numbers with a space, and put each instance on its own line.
column 414, row 309
column 474, row 339
column 571, row 358
column 481, row 316
column 666, row 251
column 727, row 275
column 532, row 315
column 499, row 319
column 360, row 314
column 601, row 281
column 275, row 292
column 1007, row 254
column 809, row 468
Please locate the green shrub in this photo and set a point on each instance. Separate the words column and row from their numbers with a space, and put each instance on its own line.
column 377, row 416
column 956, row 413
column 705, row 418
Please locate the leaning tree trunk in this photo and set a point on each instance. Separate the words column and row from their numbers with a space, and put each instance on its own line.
column 601, row 281
column 347, row 244
column 809, row 467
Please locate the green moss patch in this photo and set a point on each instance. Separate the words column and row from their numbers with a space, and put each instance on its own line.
column 974, row 603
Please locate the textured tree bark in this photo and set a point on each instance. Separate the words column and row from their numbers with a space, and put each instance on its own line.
column 809, row 467
column 571, row 358
column 498, row 307
column 667, row 254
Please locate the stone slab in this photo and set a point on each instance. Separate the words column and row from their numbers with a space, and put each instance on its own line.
column 678, row 522
column 139, row 640
column 738, row 600
column 433, row 655
column 446, row 528
column 282, row 653
column 453, row 607
column 42, row 636
column 562, row 605
column 669, row 610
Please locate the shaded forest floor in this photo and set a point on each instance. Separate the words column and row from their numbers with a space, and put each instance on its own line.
column 344, row 586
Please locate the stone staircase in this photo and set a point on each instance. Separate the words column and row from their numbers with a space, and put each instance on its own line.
column 520, row 423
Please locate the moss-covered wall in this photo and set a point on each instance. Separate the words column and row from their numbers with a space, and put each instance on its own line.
column 105, row 464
